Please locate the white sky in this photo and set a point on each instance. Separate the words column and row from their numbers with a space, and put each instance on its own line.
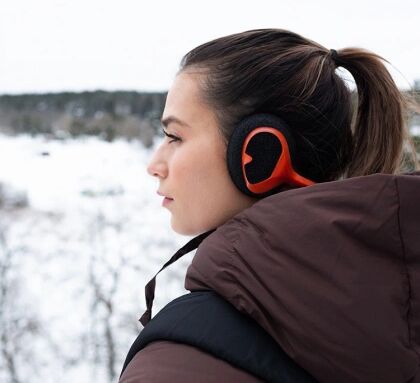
column 55, row 45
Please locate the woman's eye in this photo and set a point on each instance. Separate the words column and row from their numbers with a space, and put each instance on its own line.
column 174, row 138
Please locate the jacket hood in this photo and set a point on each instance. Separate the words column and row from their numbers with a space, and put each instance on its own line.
column 331, row 272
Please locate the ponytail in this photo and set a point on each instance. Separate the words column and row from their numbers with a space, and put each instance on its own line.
column 379, row 129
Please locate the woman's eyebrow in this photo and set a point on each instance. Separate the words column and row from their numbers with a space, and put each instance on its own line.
column 172, row 119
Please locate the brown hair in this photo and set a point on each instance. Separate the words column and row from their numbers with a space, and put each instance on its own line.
column 279, row 72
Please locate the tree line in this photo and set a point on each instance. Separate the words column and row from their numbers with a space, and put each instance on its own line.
column 109, row 115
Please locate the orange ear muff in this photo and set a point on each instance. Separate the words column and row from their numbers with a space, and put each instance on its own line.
column 261, row 154
column 283, row 172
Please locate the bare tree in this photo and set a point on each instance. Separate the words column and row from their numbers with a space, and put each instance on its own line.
column 104, row 280
column 17, row 325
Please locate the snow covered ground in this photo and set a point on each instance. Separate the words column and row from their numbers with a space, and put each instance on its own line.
column 78, row 256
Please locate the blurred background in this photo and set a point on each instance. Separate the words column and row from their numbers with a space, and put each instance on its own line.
column 82, row 89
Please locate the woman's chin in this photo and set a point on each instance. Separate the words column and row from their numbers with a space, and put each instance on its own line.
column 185, row 229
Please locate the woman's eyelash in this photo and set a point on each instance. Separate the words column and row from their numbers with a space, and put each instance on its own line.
column 174, row 138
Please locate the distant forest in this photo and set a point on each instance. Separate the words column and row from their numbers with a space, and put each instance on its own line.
column 109, row 115
column 133, row 115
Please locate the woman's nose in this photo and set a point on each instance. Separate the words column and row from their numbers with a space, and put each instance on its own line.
column 157, row 166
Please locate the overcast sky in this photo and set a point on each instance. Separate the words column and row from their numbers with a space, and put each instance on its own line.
column 56, row 45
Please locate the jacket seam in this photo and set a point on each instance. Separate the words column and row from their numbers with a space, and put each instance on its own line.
column 239, row 300
column 235, row 265
column 236, row 298
column 406, row 269
column 231, row 266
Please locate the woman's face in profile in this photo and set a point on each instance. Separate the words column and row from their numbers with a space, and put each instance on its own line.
column 191, row 165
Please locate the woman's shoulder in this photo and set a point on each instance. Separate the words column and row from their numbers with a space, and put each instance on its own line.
column 331, row 267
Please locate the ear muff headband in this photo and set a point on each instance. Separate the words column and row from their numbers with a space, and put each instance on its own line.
column 283, row 172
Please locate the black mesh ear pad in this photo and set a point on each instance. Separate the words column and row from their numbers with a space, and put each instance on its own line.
column 264, row 148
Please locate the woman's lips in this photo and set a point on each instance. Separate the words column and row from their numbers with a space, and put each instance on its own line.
column 166, row 201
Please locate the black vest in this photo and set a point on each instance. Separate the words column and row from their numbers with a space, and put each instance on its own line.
column 206, row 321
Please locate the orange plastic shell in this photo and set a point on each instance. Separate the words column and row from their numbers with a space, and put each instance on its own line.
column 283, row 171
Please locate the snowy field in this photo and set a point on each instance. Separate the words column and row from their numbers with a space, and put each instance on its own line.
column 75, row 260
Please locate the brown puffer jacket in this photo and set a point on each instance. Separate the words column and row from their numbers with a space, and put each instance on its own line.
column 330, row 271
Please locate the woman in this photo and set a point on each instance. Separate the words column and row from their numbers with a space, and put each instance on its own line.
column 309, row 265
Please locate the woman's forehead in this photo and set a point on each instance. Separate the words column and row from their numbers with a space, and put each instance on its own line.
column 184, row 104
